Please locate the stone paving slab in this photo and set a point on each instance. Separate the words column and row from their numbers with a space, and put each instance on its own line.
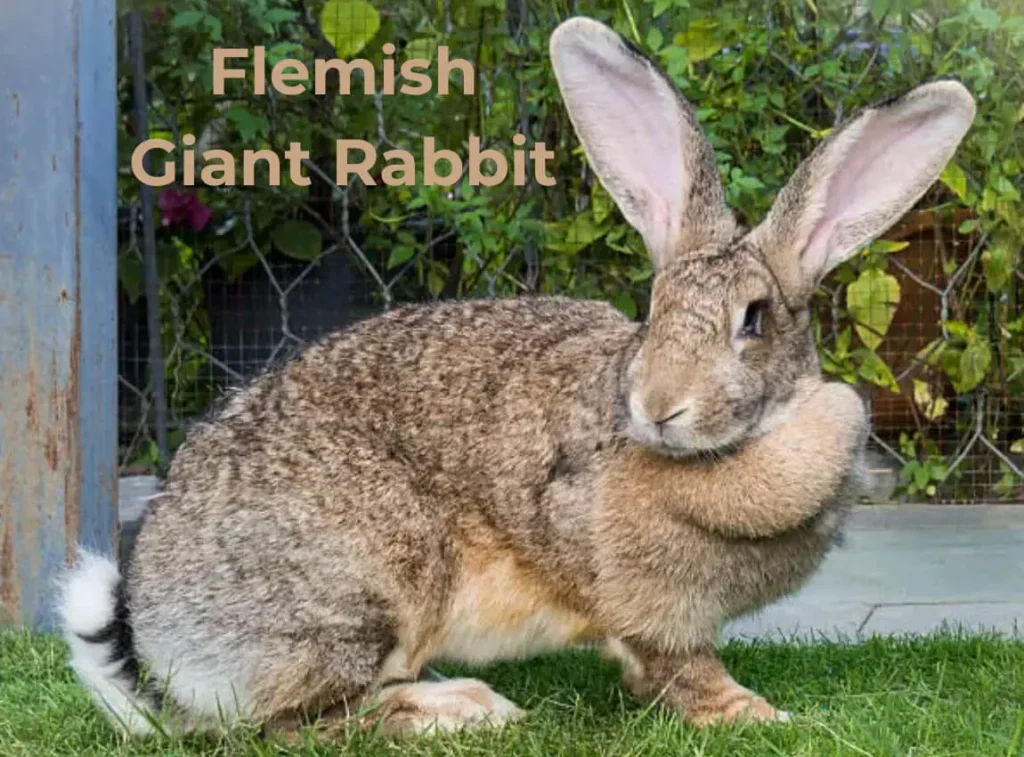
column 910, row 569
column 905, row 569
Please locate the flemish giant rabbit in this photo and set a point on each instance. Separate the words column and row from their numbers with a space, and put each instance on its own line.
column 493, row 479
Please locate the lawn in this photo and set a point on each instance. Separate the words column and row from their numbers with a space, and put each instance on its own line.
column 941, row 695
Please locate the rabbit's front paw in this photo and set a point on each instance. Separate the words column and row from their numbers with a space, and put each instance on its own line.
column 748, row 709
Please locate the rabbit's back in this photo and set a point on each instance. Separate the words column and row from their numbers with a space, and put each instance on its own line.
column 458, row 393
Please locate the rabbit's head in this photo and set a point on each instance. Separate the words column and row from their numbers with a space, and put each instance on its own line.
column 729, row 327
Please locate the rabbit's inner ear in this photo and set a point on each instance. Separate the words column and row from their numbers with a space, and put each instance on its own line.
column 862, row 179
column 642, row 140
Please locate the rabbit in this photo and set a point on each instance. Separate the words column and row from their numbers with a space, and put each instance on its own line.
column 494, row 479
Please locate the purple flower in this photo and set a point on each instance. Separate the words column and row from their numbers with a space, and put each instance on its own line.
column 178, row 207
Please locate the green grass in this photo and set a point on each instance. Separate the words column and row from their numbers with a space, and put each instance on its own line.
column 943, row 695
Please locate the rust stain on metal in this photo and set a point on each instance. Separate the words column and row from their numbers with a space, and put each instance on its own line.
column 50, row 450
column 64, row 294
column 109, row 485
column 32, row 400
column 9, row 599
column 68, row 422
column 31, row 413
column 16, row 101
column 73, row 480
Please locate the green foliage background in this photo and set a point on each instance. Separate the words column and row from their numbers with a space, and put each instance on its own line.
column 769, row 79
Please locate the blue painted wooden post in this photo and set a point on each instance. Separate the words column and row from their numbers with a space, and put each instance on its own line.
column 58, row 306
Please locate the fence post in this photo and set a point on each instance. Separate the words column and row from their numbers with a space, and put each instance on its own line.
column 58, row 296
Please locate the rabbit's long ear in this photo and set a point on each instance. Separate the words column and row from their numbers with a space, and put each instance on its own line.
column 860, row 180
column 642, row 140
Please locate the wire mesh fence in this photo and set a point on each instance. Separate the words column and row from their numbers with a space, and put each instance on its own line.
column 249, row 274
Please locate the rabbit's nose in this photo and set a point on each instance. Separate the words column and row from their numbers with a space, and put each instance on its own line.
column 663, row 410
column 671, row 417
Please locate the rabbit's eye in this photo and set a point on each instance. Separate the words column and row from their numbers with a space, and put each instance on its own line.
column 753, row 319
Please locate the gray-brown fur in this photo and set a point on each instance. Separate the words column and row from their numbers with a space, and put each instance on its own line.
column 490, row 479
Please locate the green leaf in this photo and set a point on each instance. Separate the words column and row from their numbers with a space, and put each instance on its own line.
column 895, row 59
column 186, row 19
column 968, row 226
column 998, row 262
column 700, row 40
column 640, row 274
column 843, row 343
column 131, row 274
column 1017, row 447
column 957, row 328
column 931, row 353
column 237, row 263
column 953, row 177
column 932, row 407
column 282, row 50
column 660, row 6
column 874, row 369
column 975, row 361
column 625, row 302
column 878, row 9
column 214, row 25
column 423, row 48
column 987, row 18
column 887, row 246
column 748, row 182
column 872, row 300
column 249, row 126
column 573, row 235
column 349, row 25
column 655, row 39
column 921, row 477
column 400, row 254
column 949, row 362
column 277, row 15
column 1005, row 188
column 600, row 203
column 908, row 470
column 298, row 239
column 175, row 438
column 436, row 278
column 149, row 455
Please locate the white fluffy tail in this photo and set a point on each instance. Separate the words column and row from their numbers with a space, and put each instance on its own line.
column 94, row 616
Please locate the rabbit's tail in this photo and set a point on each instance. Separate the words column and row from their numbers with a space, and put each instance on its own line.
column 95, row 621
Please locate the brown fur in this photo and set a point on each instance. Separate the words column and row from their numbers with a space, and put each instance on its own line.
column 489, row 479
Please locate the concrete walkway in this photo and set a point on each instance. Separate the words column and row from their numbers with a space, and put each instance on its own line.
column 905, row 569
column 910, row 569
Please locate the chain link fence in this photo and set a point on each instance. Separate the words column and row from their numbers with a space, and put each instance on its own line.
column 230, row 311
